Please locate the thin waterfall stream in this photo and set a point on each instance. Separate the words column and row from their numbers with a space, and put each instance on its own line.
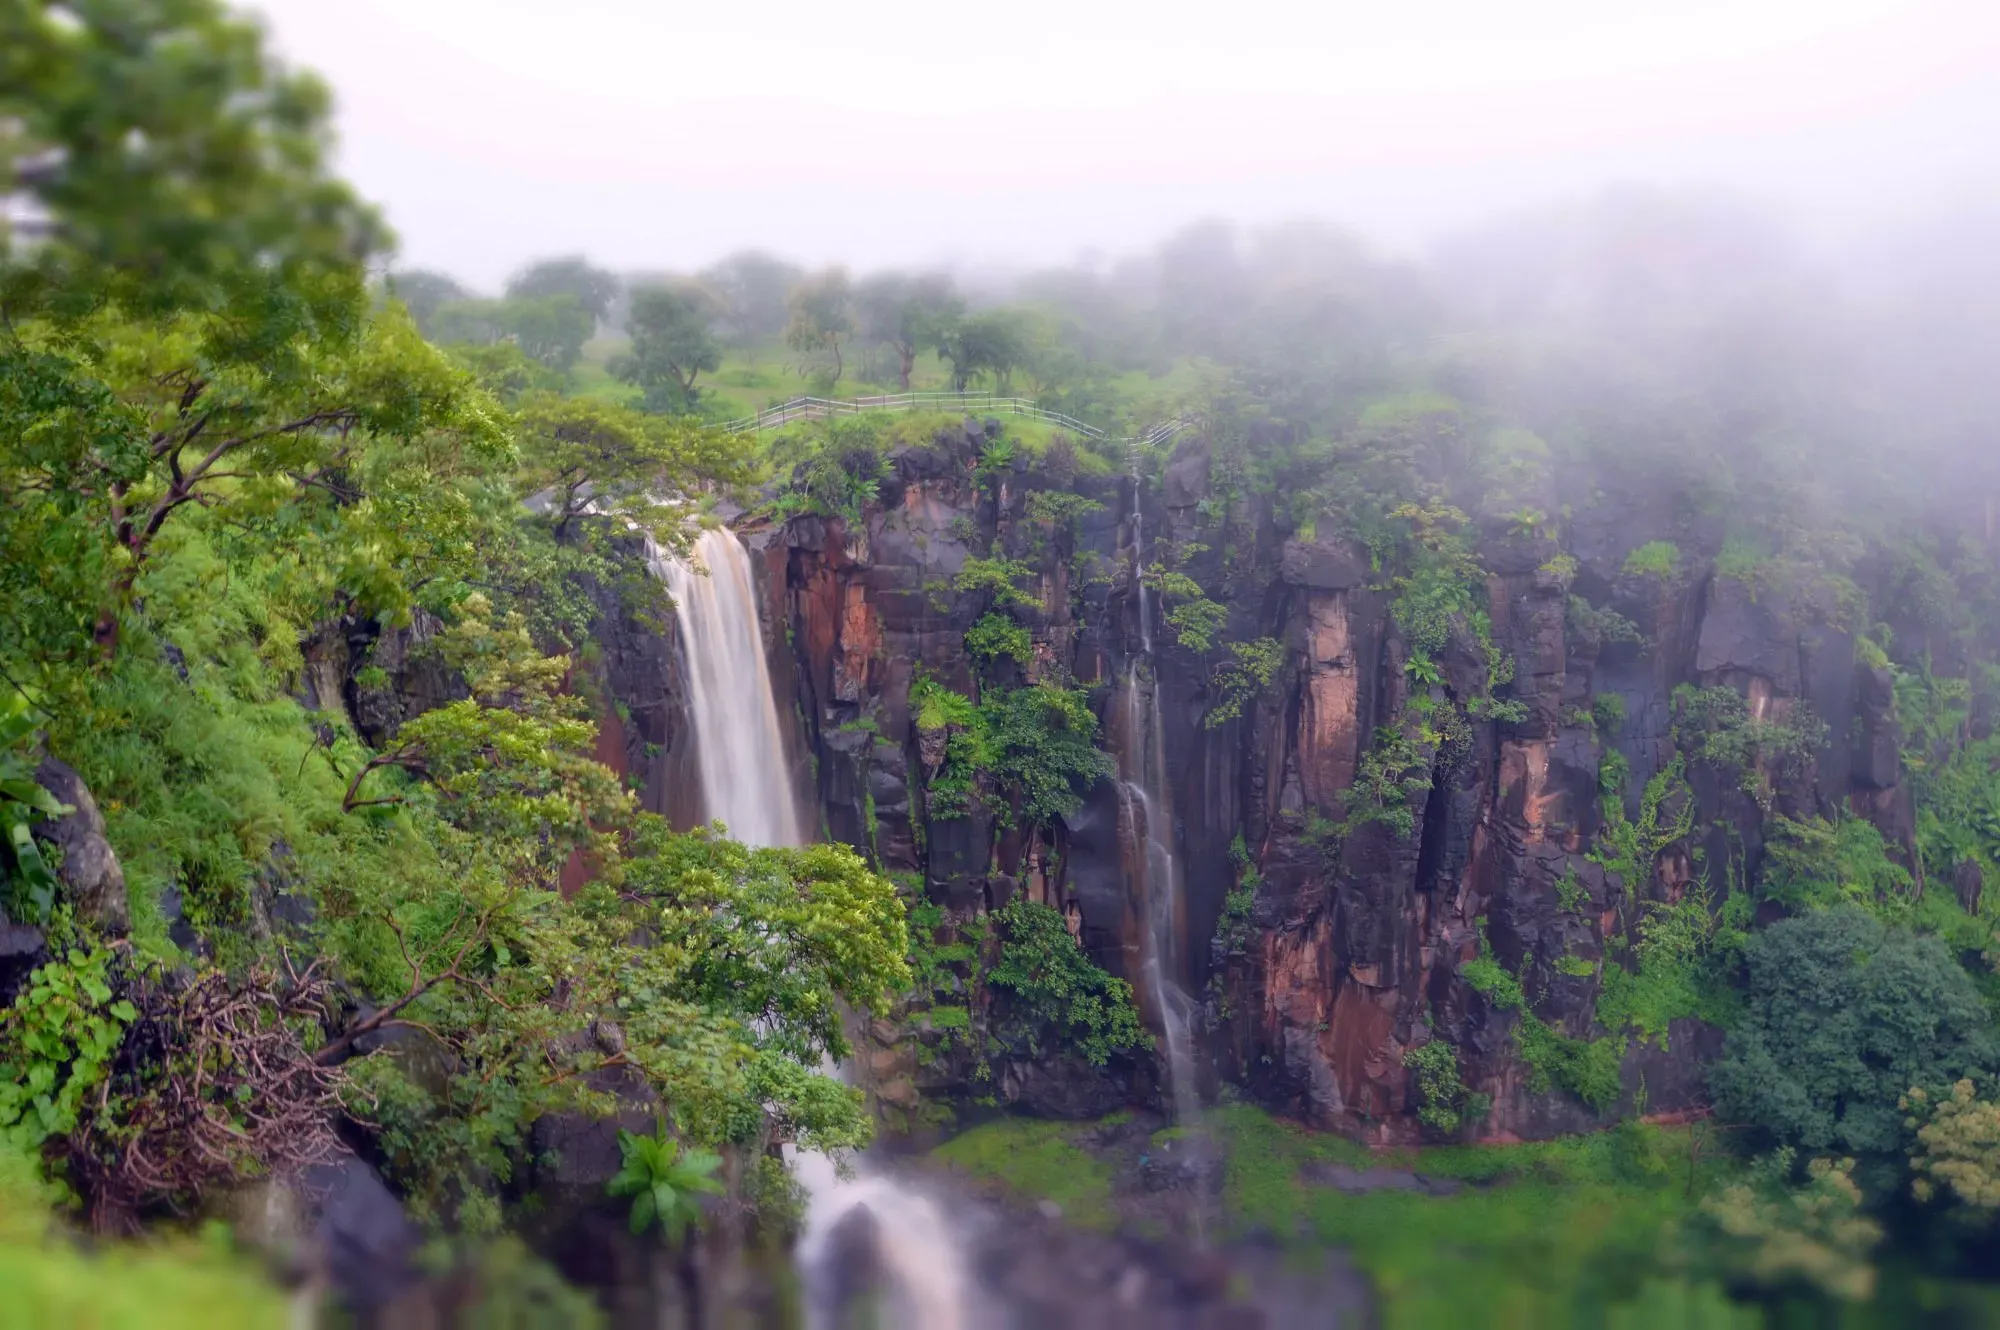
column 1147, row 805
column 746, row 785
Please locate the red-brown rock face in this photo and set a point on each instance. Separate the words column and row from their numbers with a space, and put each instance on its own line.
column 1354, row 947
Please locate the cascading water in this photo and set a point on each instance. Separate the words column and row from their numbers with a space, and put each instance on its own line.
column 746, row 784
column 739, row 748
column 1147, row 808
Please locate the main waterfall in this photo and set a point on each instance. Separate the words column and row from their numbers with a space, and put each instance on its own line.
column 739, row 747
column 746, row 784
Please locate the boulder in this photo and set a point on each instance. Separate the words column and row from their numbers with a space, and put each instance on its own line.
column 89, row 868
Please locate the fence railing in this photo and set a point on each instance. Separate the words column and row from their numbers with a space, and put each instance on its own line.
column 822, row 408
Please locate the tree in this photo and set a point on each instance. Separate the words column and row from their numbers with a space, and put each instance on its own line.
column 422, row 292
column 671, row 345
column 752, row 290
column 582, row 454
column 592, row 288
column 1958, row 1146
column 168, row 164
column 1842, row 1015
column 822, row 314
column 551, row 329
column 988, row 342
column 906, row 313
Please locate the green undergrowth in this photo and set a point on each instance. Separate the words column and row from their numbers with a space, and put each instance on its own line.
column 175, row 1284
column 1037, row 1160
column 1541, row 1234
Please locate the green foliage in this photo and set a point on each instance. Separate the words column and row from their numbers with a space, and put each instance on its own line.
column 573, row 276
column 1394, row 773
column 1032, row 750
column 1057, row 985
column 1816, row 864
column 1607, row 712
column 1714, row 725
column 581, row 455
column 192, row 1282
column 1037, row 1161
column 1444, row 1101
column 1768, row 1233
column 1585, row 1068
column 663, row 1181
column 1741, row 560
column 1630, row 849
column 836, row 467
column 998, row 578
column 56, row 1048
column 1234, row 928
column 995, row 637
column 1061, row 508
column 1241, row 679
column 1842, row 1015
column 671, row 347
column 1571, row 898
column 1592, row 628
column 1666, row 981
column 1957, row 1148
column 1656, row 558
column 27, row 884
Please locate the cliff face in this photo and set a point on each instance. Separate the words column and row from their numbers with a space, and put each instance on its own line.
column 1354, row 946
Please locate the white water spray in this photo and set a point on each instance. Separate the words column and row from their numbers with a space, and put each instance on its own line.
column 739, row 749
column 1147, row 809
column 746, row 784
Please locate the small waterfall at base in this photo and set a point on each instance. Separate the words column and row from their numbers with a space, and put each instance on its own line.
column 1147, row 808
column 865, row 1229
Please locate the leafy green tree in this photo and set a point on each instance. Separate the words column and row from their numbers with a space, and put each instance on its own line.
column 1058, row 987
column 584, row 455
column 1765, row 1233
column 1841, row 1016
column 989, row 342
column 752, row 290
column 822, row 312
column 423, row 292
column 593, row 289
column 905, row 313
column 168, row 163
column 671, row 347
column 551, row 329
column 1958, row 1146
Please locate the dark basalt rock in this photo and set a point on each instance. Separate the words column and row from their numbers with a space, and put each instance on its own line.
column 89, row 867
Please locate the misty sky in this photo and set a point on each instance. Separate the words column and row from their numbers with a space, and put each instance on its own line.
column 662, row 135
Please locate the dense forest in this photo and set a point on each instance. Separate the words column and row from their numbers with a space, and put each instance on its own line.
column 1476, row 775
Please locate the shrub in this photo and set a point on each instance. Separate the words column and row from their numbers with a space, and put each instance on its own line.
column 1842, row 1015
column 1655, row 558
column 1058, row 986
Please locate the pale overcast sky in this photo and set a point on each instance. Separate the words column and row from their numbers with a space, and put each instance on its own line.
column 888, row 131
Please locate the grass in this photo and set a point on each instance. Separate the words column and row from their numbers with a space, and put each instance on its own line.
column 1546, row 1234
column 1037, row 1160
column 1540, row 1234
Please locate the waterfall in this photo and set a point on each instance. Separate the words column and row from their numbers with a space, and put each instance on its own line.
column 739, row 748
column 1147, row 807
column 865, row 1229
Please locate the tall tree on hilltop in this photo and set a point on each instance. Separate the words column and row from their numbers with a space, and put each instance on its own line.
column 906, row 313
column 752, row 291
column 591, row 287
column 423, row 292
column 671, row 346
column 822, row 313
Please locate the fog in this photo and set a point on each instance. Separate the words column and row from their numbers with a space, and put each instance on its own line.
column 652, row 136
